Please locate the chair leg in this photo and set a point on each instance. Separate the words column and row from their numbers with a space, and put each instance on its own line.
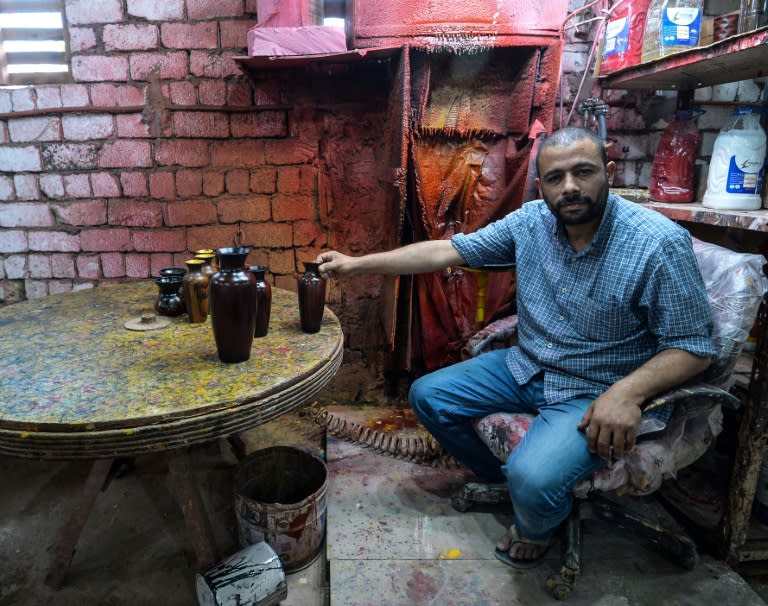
column 478, row 493
column 676, row 546
column 563, row 583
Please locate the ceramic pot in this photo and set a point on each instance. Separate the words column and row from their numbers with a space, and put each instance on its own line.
column 179, row 273
column 233, row 305
column 263, row 300
column 311, row 298
column 195, row 293
column 168, row 302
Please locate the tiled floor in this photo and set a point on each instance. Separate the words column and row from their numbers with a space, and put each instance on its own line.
column 393, row 539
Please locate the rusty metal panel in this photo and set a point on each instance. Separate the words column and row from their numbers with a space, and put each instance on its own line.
column 456, row 22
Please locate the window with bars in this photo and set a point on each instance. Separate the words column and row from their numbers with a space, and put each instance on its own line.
column 33, row 47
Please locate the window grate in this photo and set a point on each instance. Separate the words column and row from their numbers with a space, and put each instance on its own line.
column 33, row 46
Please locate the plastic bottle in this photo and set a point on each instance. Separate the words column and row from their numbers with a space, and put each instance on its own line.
column 624, row 36
column 674, row 164
column 670, row 27
column 736, row 169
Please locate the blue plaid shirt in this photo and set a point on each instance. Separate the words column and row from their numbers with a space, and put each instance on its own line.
column 590, row 318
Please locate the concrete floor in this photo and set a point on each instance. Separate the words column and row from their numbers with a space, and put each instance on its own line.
column 392, row 540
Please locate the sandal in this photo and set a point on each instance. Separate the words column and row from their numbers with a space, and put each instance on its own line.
column 527, row 563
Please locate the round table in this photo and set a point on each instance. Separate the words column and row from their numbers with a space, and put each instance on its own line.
column 77, row 384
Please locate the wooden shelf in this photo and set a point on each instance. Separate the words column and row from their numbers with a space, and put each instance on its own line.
column 736, row 58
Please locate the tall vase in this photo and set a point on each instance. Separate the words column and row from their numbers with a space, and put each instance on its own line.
column 233, row 305
column 311, row 298
column 195, row 291
column 263, row 300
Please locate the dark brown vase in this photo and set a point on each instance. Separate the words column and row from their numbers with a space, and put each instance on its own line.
column 208, row 263
column 263, row 300
column 176, row 272
column 195, row 291
column 311, row 298
column 168, row 302
column 233, row 305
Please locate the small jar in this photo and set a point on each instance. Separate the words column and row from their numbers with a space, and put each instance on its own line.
column 168, row 302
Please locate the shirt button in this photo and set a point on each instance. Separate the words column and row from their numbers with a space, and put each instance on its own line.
column 549, row 345
column 565, row 290
column 561, row 318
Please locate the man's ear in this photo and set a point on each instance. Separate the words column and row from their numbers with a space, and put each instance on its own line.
column 610, row 170
column 538, row 187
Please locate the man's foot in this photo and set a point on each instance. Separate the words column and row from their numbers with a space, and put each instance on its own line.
column 519, row 552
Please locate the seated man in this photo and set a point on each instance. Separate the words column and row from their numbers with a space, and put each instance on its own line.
column 612, row 310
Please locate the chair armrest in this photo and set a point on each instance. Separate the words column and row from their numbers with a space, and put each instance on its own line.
column 693, row 392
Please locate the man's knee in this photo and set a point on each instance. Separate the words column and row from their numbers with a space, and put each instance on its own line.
column 421, row 394
column 532, row 487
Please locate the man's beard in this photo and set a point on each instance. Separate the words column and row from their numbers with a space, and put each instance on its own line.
column 593, row 208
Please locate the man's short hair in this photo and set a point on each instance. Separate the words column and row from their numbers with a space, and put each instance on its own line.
column 568, row 136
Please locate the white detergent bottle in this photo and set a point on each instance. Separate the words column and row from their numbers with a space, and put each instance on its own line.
column 736, row 169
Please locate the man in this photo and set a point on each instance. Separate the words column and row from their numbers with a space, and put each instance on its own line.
column 612, row 310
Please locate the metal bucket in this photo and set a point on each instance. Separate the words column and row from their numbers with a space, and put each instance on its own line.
column 251, row 577
column 280, row 498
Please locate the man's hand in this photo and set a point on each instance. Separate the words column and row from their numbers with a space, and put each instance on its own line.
column 334, row 264
column 611, row 422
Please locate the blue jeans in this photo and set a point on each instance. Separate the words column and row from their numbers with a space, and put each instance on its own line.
column 550, row 460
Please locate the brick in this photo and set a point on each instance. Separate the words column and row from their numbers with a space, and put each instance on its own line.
column 237, row 181
column 213, row 183
column 16, row 267
column 35, row 289
column 197, row 212
column 264, row 180
column 132, row 126
column 269, row 235
column 105, row 240
column 104, row 185
column 283, row 262
column 234, row 34
column 130, row 37
column 24, row 214
column 113, row 265
column 82, row 11
column 84, row 128
column 184, row 153
column 210, row 236
column 292, row 207
column 92, row 212
column 162, row 185
column 56, row 287
column 182, row 93
column 103, row 95
column 23, row 130
column 39, row 266
column 296, row 179
column 210, row 64
column 81, row 39
column 152, row 10
column 308, row 233
column 88, row 266
column 166, row 66
column 98, row 68
column 133, row 213
column 4, row 137
column 134, row 184
column 287, row 283
column 74, row 95
column 205, row 9
column 290, row 151
column 159, row 241
column 23, row 99
column 212, row 92
column 77, row 186
column 137, row 266
column 159, row 261
column 53, row 241
column 48, row 97
column 132, row 94
column 52, row 185
column 239, row 93
column 252, row 208
column 20, row 159
column 628, row 147
column 190, row 35
column 69, row 156
column 201, row 124
column 259, row 124
column 189, row 183
column 27, row 187
column 6, row 189
column 6, row 105
column 238, row 153
column 63, row 266
column 125, row 154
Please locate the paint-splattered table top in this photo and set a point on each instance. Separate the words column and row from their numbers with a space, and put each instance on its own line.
column 75, row 383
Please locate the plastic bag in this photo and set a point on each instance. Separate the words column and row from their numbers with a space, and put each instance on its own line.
column 673, row 170
column 624, row 36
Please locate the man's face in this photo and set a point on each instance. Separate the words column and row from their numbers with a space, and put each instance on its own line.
column 574, row 182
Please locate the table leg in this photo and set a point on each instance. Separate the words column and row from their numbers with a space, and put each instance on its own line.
column 66, row 543
column 188, row 497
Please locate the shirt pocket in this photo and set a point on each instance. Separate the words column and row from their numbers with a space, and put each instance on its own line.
column 604, row 320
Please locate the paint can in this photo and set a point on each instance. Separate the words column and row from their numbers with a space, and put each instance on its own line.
column 280, row 498
column 251, row 577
